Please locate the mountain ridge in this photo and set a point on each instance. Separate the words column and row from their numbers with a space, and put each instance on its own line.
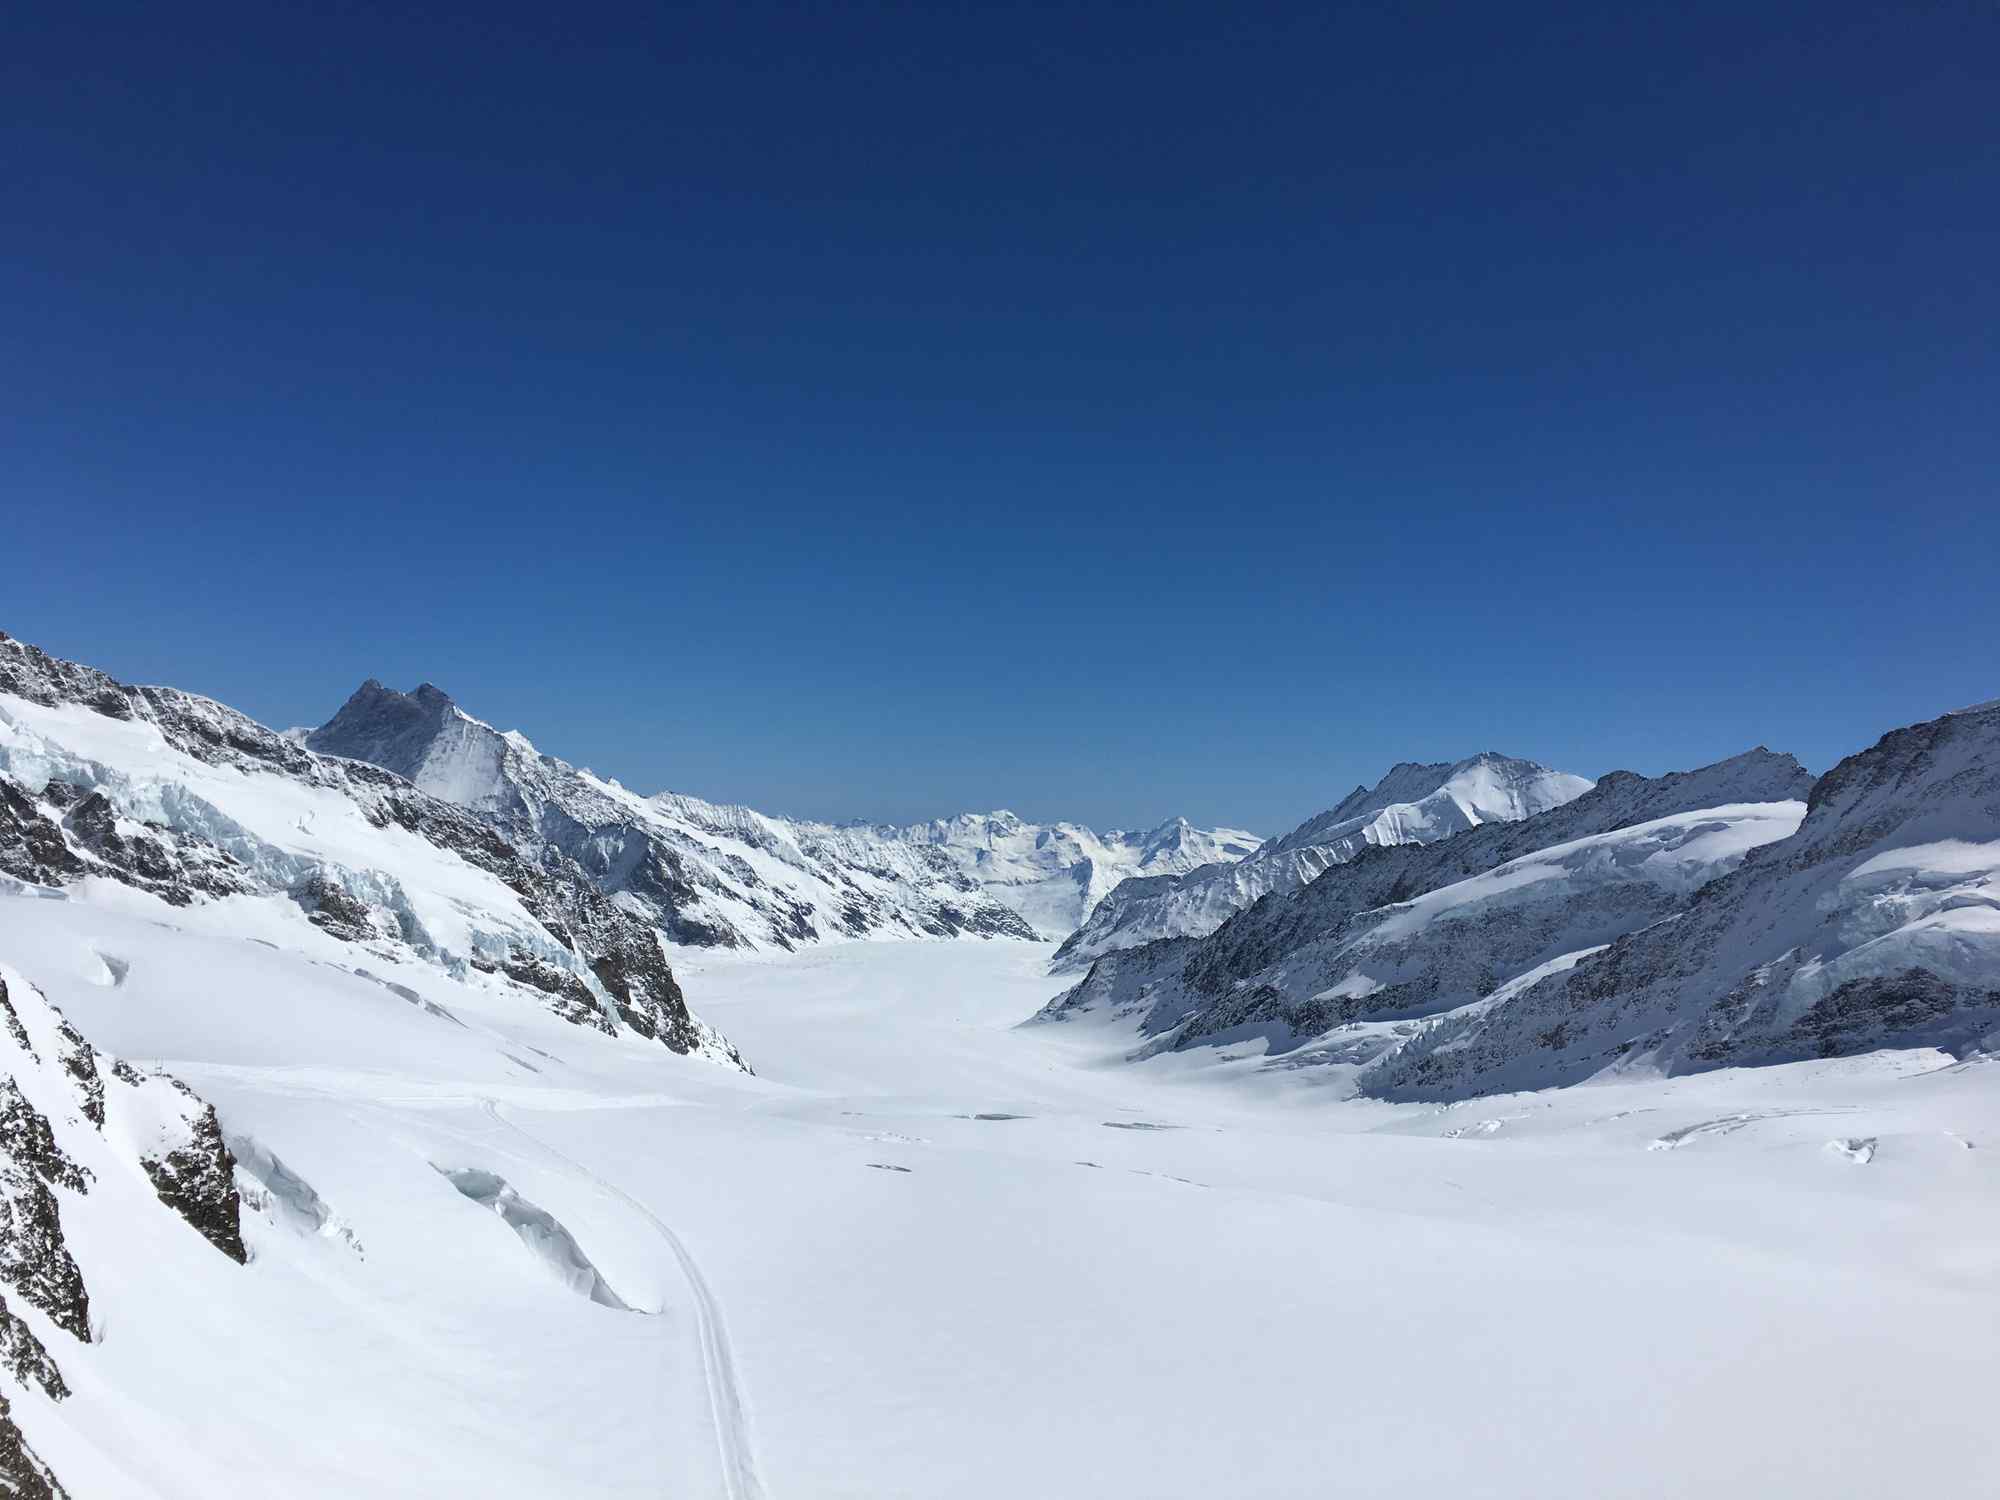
column 726, row 875
column 1414, row 802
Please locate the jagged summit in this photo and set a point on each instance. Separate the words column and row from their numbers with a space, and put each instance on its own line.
column 427, row 738
column 1874, row 925
column 394, row 726
column 1414, row 803
column 717, row 874
column 1342, row 969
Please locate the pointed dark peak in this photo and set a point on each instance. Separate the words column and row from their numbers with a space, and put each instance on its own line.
column 384, row 726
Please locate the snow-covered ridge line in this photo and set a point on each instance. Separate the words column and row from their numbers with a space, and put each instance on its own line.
column 189, row 801
column 721, row 875
column 1292, row 964
column 1876, row 925
column 1651, row 925
column 1412, row 804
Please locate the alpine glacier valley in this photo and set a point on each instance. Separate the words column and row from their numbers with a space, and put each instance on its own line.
column 1000, row 751
column 393, row 1108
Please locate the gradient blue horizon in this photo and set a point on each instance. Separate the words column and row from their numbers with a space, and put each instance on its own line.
column 1104, row 412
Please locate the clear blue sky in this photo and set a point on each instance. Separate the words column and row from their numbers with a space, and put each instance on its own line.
column 1105, row 411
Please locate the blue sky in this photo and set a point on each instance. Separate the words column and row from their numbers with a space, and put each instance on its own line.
column 1103, row 411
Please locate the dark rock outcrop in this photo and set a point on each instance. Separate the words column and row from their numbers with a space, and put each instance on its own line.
column 32, row 847
column 197, row 1180
column 192, row 1172
column 34, row 1256
column 22, row 1471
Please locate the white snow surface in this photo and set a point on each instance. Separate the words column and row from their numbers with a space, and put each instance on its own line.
column 1677, row 854
column 928, row 1252
column 1413, row 804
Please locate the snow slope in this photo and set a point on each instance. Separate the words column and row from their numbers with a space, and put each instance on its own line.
column 1284, row 963
column 1413, row 804
column 723, row 876
column 1876, row 924
column 193, row 803
column 1360, row 992
column 496, row 1239
column 926, row 1252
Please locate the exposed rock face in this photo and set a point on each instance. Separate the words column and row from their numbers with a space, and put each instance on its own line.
column 34, row 1257
column 332, row 909
column 153, row 833
column 1877, row 924
column 1384, row 876
column 632, row 967
column 30, row 673
column 60, row 1100
column 610, row 939
column 196, row 1178
column 1373, row 939
column 26, row 1361
column 68, row 832
column 32, row 847
column 1413, row 804
column 21, row 1471
column 420, row 737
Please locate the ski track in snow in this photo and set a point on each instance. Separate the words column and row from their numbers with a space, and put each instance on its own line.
column 740, row 1478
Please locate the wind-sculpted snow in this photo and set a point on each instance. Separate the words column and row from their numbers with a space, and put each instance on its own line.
column 189, row 801
column 714, row 875
column 1413, row 804
column 544, row 1235
column 1876, row 925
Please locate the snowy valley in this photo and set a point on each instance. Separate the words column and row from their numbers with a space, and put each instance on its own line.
column 397, row 1110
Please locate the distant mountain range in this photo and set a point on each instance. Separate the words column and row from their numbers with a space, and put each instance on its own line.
column 1413, row 804
column 722, row 876
column 370, row 944
column 1740, row 913
column 1456, row 928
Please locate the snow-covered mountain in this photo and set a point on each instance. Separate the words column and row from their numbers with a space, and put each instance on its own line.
column 1054, row 874
column 181, row 798
column 724, row 876
column 1668, row 925
column 349, row 1139
column 1413, row 804
column 1877, row 924
column 1403, row 932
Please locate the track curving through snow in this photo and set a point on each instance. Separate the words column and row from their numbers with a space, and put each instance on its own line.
column 740, row 1479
